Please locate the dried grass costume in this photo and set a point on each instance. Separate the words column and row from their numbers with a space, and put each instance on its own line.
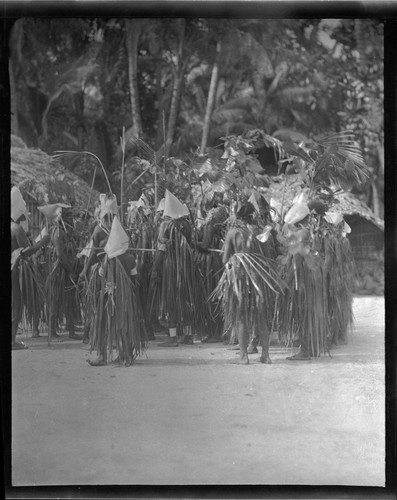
column 114, row 313
column 173, row 278
column 211, row 267
column 28, row 295
column 27, row 291
column 317, row 309
column 247, row 288
column 61, row 285
column 177, row 294
column 142, row 233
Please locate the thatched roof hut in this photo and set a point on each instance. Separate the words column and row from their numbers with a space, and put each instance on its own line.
column 366, row 237
column 349, row 205
column 43, row 180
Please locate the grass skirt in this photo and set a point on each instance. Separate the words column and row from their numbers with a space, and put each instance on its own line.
column 178, row 295
column 247, row 290
column 210, row 267
column 114, row 313
column 32, row 288
column 317, row 309
column 62, row 296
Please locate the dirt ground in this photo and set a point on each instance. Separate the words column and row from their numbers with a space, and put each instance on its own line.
column 187, row 415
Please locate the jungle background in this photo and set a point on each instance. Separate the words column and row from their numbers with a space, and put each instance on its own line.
column 125, row 88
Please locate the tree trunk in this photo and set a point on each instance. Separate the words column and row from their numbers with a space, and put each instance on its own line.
column 360, row 35
column 13, row 100
column 210, row 100
column 176, row 89
column 159, row 94
column 132, row 32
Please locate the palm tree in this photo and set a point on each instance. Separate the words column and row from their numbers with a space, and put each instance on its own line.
column 133, row 28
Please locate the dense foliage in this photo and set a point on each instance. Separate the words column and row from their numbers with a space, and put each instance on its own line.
column 187, row 84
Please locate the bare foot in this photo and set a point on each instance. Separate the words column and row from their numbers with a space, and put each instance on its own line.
column 299, row 357
column 96, row 362
column 244, row 359
column 18, row 345
column 265, row 359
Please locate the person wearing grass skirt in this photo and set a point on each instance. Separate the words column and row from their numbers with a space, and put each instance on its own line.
column 175, row 285
column 114, row 312
column 61, row 285
column 211, row 236
column 26, row 286
column 318, row 269
column 141, row 229
column 248, row 286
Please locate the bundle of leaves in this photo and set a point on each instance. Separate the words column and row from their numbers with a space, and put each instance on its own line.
column 247, row 291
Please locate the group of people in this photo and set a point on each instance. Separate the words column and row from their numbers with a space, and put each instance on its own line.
column 214, row 278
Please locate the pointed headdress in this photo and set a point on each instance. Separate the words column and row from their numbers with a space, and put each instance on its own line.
column 173, row 208
column 118, row 240
column 18, row 205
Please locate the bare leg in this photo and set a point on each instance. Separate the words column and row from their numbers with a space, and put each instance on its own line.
column 53, row 331
column 265, row 339
column 242, row 336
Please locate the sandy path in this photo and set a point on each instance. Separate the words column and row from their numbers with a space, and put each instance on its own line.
column 188, row 416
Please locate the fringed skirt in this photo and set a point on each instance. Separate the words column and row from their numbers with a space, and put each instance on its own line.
column 62, row 296
column 114, row 313
column 340, row 271
column 210, row 268
column 177, row 292
column 247, row 290
column 303, row 309
column 32, row 289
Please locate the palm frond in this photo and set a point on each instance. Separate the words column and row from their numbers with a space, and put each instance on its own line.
column 345, row 145
column 62, row 154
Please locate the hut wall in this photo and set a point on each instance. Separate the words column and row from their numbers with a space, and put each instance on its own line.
column 367, row 243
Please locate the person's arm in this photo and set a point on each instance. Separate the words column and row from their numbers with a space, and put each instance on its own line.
column 20, row 240
column 129, row 263
column 27, row 252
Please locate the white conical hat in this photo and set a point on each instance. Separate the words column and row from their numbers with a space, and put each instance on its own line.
column 333, row 217
column 173, row 207
column 52, row 212
column 118, row 240
column 160, row 207
column 108, row 205
column 297, row 212
column 18, row 205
